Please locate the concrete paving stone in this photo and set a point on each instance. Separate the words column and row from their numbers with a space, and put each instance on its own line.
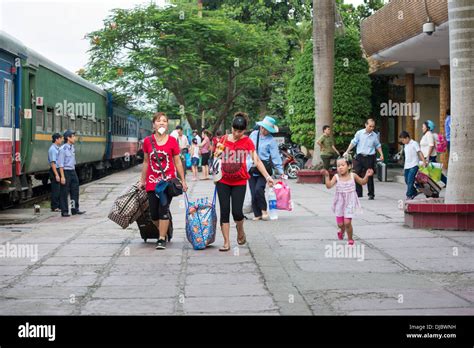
column 422, row 253
column 434, row 242
column 391, row 231
column 417, row 312
column 35, row 307
column 137, row 292
column 70, row 293
column 378, row 299
column 19, row 261
column 307, row 282
column 237, row 305
column 144, row 269
column 67, row 270
column 152, row 260
column 465, row 293
column 73, row 250
column 63, row 280
column 132, row 280
column 148, row 249
column 232, row 268
column 153, row 306
column 226, row 279
column 77, row 260
column 6, row 270
column 348, row 265
column 469, row 240
column 225, row 290
column 227, row 258
column 453, row 264
column 107, row 241
column 320, row 253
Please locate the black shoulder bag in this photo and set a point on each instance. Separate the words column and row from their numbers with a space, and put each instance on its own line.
column 268, row 163
column 175, row 187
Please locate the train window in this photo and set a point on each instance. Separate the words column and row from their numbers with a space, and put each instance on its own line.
column 72, row 124
column 39, row 119
column 65, row 122
column 57, row 122
column 49, row 120
column 8, row 103
column 78, row 125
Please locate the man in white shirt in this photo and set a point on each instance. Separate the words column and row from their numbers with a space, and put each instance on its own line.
column 183, row 144
column 413, row 154
column 196, row 135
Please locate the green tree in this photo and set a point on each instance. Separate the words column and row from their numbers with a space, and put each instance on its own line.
column 173, row 58
column 352, row 92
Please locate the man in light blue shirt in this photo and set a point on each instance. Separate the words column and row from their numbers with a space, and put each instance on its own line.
column 447, row 127
column 367, row 143
column 267, row 150
column 53, row 171
column 69, row 179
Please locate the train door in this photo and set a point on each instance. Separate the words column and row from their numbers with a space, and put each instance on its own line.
column 6, row 121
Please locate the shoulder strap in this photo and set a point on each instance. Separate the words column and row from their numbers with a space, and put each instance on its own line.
column 156, row 157
column 258, row 140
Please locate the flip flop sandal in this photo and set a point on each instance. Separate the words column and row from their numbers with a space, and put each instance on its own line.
column 224, row 249
column 243, row 240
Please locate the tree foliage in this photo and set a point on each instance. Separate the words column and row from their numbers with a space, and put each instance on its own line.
column 352, row 92
column 172, row 58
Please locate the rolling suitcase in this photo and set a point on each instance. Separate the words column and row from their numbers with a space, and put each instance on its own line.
column 148, row 229
column 381, row 171
column 427, row 186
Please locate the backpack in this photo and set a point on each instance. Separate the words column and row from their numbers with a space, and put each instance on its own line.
column 441, row 143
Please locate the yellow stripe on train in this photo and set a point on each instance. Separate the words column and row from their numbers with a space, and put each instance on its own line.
column 88, row 139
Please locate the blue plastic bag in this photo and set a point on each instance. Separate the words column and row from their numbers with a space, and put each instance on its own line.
column 188, row 160
column 201, row 222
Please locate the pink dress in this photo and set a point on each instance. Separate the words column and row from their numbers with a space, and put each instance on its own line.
column 346, row 202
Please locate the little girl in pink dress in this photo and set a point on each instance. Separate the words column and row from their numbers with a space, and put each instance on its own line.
column 346, row 202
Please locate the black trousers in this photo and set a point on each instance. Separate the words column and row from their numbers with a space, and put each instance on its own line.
column 361, row 165
column 157, row 210
column 71, row 187
column 226, row 194
column 257, row 189
column 55, row 190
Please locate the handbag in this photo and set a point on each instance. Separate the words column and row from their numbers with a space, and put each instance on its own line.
column 283, row 196
column 267, row 163
column 175, row 187
column 201, row 222
column 128, row 206
column 217, row 162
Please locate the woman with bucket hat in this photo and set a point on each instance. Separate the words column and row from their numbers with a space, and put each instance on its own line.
column 267, row 150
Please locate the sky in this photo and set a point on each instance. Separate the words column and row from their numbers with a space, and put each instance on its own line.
column 56, row 28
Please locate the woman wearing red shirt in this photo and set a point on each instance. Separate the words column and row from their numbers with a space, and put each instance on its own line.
column 233, row 184
column 165, row 149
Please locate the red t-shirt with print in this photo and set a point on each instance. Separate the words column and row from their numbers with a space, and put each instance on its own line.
column 165, row 154
column 234, row 161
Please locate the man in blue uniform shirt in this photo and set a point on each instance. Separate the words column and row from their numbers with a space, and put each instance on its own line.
column 54, row 176
column 366, row 142
column 69, row 179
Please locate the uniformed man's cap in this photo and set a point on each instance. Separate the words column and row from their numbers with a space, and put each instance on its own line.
column 68, row 133
column 56, row 136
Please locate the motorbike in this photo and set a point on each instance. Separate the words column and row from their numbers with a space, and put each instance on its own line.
column 290, row 164
column 296, row 152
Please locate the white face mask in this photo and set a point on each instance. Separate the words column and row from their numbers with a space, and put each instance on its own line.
column 162, row 130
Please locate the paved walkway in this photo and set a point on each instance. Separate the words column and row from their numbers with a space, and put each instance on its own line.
column 87, row 265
